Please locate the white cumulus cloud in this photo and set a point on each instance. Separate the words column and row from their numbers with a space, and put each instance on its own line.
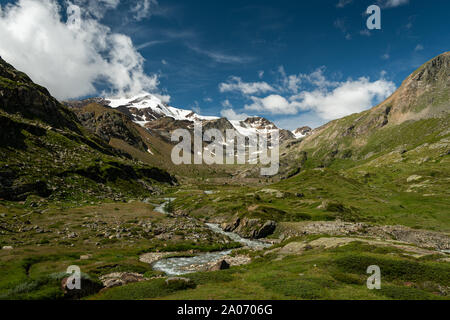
column 347, row 98
column 322, row 98
column 236, row 84
column 274, row 104
column 71, row 57
column 230, row 114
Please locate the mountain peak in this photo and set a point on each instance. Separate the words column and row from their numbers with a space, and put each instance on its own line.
column 424, row 94
column 260, row 123
column 302, row 132
column 147, row 107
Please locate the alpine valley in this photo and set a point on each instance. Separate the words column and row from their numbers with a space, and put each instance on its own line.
column 91, row 183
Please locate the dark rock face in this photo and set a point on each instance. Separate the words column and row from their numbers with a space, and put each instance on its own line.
column 250, row 228
column 18, row 94
column 230, row 227
column 286, row 135
column 108, row 123
column 266, row 230
column 88, row 287
column 221, row 265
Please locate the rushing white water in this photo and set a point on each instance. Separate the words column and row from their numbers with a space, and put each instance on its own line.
column 254, row 244
column 178, row 265
column 162, row 207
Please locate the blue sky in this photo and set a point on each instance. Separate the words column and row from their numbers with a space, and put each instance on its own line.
column 295, row 62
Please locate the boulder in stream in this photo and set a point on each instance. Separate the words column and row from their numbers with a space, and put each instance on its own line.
column 221, row 265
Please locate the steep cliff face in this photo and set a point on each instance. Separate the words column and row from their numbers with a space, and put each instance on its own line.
column 20, row 95
column 110, row 124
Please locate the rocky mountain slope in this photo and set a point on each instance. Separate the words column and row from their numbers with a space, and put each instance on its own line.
column 46, row 151
column 410, row 126
column 143, row 125
column 146, row 108
column 302, row 132
column 417, row 113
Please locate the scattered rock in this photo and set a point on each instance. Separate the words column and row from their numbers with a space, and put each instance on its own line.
column 230, row 227
column 421, row 238
column 278, row 194
column 221, row 265
column 7, row 247
column 153, row 257
column 116, row 279
column 299, row 248
column 237, row 260
column 266, row 230
column 250, row 228
column 413, row 178
column 72, row 235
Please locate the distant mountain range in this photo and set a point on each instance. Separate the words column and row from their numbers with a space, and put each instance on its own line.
column 146, row 108
column 48, row 143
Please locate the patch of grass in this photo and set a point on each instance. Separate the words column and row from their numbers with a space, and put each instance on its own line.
column 213, row 277
column 142, row 290
column 405, row 293
column 394, row 269
column 347, row 278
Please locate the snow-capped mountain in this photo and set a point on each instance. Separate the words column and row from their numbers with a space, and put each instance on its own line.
column 146, row 107
column 302, row 132
column 253, row 125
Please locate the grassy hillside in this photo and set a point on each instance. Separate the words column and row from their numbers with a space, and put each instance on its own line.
column 82, row 190
column 387, row 165
column 339, row 273
column 418, row 113
column 46, row 152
